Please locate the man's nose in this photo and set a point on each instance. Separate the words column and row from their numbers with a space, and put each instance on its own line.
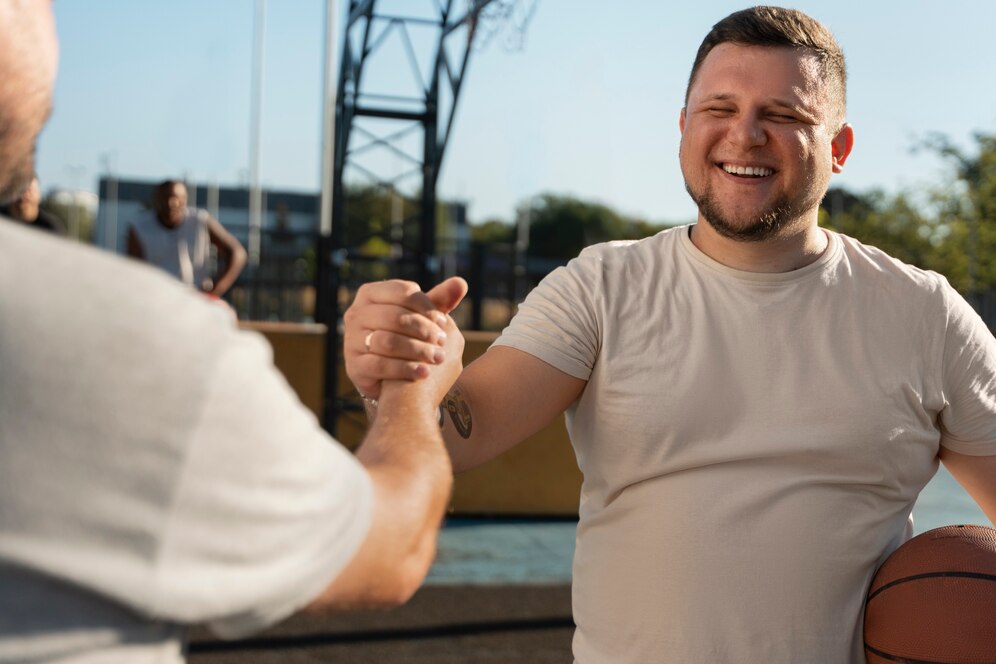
column 748, row 132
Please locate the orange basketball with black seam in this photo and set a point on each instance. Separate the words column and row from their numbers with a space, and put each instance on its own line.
column 934, row 600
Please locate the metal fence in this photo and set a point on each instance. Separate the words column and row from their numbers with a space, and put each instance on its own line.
column 282, row 288
column 985, row 304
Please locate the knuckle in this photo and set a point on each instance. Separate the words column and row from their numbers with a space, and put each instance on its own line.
column 424, row 352
column 407, row 321
column 416, row 323
column 389, row 342
column 399, row 287
column 409, row 286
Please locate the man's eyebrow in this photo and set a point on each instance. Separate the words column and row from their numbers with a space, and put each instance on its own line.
column 798, row 105
column 719, row 96
column 790, row 103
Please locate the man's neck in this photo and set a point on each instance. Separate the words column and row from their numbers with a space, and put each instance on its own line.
column 788, row 251
column 165, row 222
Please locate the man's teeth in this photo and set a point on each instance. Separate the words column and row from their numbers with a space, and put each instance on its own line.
column 756, row 171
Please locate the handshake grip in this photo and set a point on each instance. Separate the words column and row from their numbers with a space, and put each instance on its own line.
column 396, row 332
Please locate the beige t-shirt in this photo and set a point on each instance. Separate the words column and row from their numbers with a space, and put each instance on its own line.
column 155, row 468
column 752, row 444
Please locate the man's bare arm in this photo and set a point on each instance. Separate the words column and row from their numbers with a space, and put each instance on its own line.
column 231, row 254
column 135, row 245
column 977, row 474
column 411, row 476
column 501, row 399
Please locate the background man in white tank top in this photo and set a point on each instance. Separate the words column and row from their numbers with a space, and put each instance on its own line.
column 178, row 239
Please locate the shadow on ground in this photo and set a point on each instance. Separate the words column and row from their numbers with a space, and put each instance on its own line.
column 442, row 624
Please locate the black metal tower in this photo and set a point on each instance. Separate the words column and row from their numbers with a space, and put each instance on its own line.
column 391, row 131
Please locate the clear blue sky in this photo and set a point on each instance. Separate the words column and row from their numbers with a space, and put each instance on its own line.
column 589, row 107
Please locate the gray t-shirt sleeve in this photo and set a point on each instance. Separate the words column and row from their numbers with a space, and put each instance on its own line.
column 559, row 321
column 268, row 510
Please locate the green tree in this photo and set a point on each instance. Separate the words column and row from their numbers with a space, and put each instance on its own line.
column 894, row 224
column 966, row 206
column 370, row 212
column 949, row 228
column 77, row 217
column 491, row 231
column 561, row 226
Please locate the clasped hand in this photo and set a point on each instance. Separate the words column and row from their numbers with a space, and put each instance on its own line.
column 394, row 331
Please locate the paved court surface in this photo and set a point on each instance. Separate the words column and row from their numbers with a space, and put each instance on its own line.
column 499, row 591
column 442, row 624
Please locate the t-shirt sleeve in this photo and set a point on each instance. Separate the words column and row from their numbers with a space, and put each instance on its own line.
column 269, row 508
column 968, row 419
column 558, row 322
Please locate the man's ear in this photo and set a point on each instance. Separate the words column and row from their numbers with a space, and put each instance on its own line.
column 681, row 120
column 841, row 147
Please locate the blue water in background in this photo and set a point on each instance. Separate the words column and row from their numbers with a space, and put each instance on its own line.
column 539, row 551
column 944, row 503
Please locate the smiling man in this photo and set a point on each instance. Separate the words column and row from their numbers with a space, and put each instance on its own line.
column 755, row 402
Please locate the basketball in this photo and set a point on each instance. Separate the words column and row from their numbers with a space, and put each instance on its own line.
column 934, row 600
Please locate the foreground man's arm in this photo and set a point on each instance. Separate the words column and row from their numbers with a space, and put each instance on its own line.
column 411, row 477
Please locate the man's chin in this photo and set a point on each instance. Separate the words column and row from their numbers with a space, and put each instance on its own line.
column 746, row 227
column 756, row 232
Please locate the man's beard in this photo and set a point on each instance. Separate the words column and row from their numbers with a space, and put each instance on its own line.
column 769, row 223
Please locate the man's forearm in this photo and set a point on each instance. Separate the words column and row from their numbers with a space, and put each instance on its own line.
column 404, row 429
column 498, row 401
column 411, row 476
column 408, row 462
column 234, row 263
column 466, row 435
column 455, row 421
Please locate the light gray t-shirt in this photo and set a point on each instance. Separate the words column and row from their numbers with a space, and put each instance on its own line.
column 155, row 468
column 752, row 444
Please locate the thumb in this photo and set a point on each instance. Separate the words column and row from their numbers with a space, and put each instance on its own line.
column 447, row 295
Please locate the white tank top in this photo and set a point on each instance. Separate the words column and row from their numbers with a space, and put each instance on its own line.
column 183, row 251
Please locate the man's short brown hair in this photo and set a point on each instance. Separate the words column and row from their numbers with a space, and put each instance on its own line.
column 788, row 28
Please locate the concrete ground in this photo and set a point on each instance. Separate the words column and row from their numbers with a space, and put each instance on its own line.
column 442, row 624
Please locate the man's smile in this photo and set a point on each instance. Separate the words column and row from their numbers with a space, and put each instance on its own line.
column 747, row 171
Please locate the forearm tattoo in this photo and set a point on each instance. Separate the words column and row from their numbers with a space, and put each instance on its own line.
column 459, row 411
